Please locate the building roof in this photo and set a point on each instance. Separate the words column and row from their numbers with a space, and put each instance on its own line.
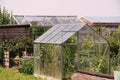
column 45, row 20
column 15, row 26
column 103, row 19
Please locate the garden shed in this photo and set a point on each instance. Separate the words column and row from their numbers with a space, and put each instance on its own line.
column 8, row 32
column 65, row 48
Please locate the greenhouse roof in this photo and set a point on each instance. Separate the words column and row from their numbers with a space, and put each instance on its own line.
column 45, row 20
column 104, row 19
column 58, row 34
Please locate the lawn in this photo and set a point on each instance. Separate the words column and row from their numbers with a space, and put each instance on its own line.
column 13, row 74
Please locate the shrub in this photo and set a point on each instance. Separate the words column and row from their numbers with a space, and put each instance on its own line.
column 27, row 66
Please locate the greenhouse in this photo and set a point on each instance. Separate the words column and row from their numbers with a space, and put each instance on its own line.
column 66, row 48
column 40, row 24
column 49, row 21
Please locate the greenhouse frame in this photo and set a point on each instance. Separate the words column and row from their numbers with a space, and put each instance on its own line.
column 66, row 48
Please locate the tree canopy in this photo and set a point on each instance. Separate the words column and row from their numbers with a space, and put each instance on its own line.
column 4, row 16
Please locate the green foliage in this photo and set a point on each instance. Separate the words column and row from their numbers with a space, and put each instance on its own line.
column 4, row 17
column 27, row 66
column 114, row 63
column 69, row 60
column 88, row 43
column 21, row 42
column 1, row 51
column 101, row 30
column 37, row 31
column 69, row 57
column 13, row 74
column 101, row 64
column 113, row 45
column 114, row 41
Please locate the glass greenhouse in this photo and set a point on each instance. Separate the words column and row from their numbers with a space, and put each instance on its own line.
column 40, row 24
column 65, row 48
column 45, row 20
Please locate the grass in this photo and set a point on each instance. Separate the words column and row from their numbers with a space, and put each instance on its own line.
column 12, row 74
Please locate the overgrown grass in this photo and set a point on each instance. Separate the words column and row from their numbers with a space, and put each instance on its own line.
column 12, row 74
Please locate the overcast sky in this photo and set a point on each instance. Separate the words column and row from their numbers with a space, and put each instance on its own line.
column 64, row 7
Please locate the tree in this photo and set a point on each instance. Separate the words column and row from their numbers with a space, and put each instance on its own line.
column 4, row 16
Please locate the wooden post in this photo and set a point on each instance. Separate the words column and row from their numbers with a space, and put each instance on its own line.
column 6, row 59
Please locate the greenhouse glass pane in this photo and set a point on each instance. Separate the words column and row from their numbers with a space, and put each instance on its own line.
column 50, row 62
column 53, row 34
column 53, row 19
column 36, row 59
column 68, row 28
column 99, row 39
column 68, row 19
column 42, row 37
column 46, row 23
column 54, row 39
column 35, row 18
column 75, row 27
column 86, row 30
column 74, row 19
column 20, row 19
column 42, row 19
column 60, row 33
column 63, row 19
column 64, row 37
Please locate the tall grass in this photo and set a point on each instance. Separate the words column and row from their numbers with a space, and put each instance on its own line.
column 12, row 74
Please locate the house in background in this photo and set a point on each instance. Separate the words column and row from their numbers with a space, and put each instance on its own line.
column 110, row 23
column 8, row 32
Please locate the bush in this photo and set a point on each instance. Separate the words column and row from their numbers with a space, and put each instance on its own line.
column 27, row 66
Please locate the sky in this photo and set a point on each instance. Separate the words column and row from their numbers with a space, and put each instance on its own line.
column 99, row 8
